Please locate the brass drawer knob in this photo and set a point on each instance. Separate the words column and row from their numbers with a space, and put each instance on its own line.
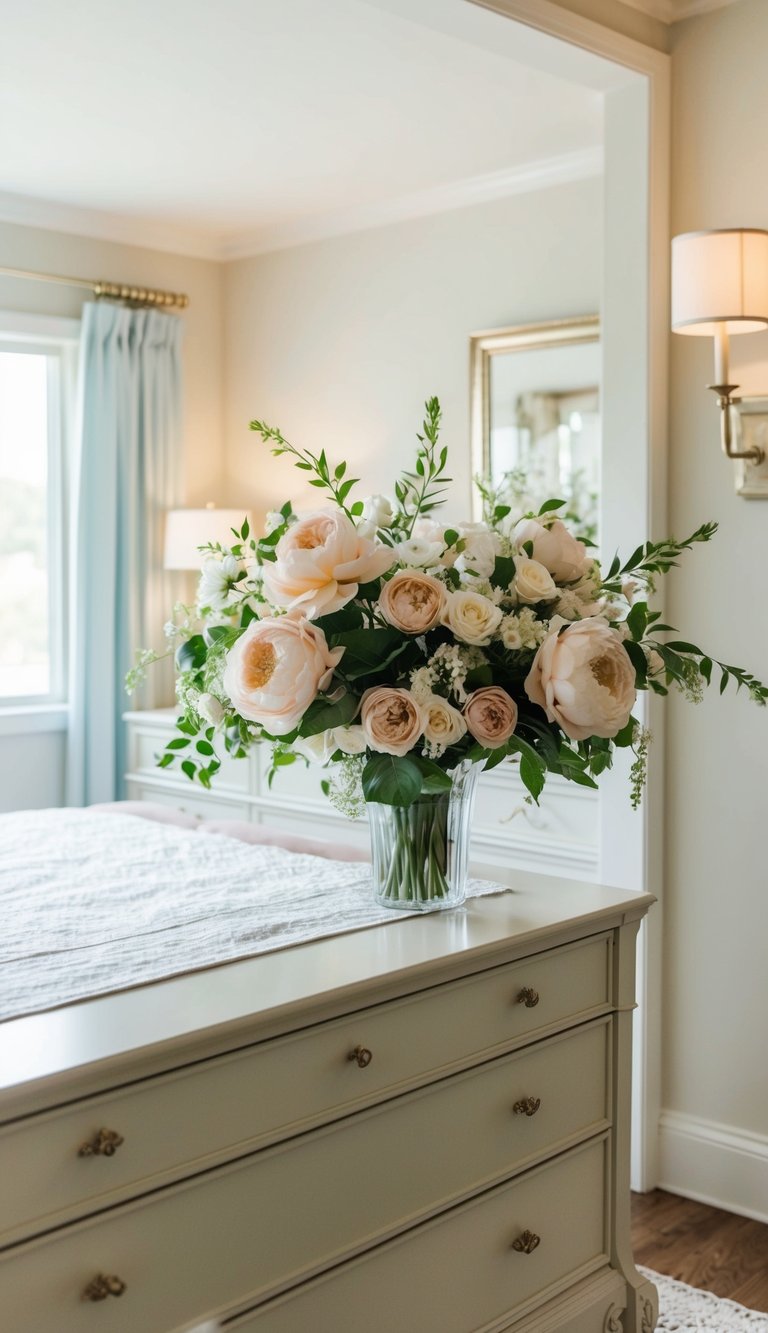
column 529, row 997
column 103, row 1286
column 527, row 1106
column 526, row 1243
column 103, row 1144
column 362, row 1055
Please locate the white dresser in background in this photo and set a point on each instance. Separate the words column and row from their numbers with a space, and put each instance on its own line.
column 559, row 838
column 418, row 1128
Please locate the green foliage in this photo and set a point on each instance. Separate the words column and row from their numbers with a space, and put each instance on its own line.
column 325, row 477
column 322, row 714
column 391, row 780
column 422, row 490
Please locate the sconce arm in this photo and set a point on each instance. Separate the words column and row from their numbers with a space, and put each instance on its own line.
column 725, row 402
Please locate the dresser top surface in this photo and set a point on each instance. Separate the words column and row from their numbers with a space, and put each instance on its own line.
column 235, row 1003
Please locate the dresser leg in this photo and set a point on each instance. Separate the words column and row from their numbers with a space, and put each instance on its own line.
column 642, row 1309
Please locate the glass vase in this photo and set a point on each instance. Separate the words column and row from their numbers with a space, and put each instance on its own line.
column 420, row 852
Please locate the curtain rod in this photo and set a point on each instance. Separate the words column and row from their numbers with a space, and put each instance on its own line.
column 118, row 291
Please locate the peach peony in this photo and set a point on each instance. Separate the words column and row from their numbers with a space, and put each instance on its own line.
column 491, row 716
column 391, row 719
column 411, row 601
column 276, row 668
column 554, row 547
column 583, row 679
column 320, row 562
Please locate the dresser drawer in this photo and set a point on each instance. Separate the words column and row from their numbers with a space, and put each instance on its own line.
column 208, row 1112
column 188, row 799
column 239, row 1235
column 460, row 1272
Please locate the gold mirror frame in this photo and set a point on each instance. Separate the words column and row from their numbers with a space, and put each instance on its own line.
column 521, row 337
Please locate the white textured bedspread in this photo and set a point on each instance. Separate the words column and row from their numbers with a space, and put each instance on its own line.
column 92, row 903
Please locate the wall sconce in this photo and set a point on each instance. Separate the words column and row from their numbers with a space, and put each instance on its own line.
column 720, row 288
column 186, row 529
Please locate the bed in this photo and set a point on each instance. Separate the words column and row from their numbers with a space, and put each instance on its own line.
column 414, row 1124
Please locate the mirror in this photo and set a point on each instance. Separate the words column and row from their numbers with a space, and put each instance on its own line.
column 535, row 416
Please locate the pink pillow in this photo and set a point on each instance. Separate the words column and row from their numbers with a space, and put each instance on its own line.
column 266, row 837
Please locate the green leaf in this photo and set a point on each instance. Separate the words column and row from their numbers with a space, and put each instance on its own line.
column 638, row 660
column 323, row 714
column 189, row 768
column 204, row 747
column 434, row 779
column 219, row 634
column 370, row 650
column 532, row 777
column 503, row 571
column 623, row 738
column 705, row 667
column 191, row 655
column 680, row 646
column 338, row 622
column 637, row 620
column 391, row 780
column 179, row 743
column 450, row 536
column 165, row 761
column 245, row 530
column 547, row 508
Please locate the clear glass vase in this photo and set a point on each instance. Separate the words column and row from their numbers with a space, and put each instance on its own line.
column 420, row 852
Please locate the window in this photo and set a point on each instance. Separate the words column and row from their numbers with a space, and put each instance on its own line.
column 36, row 366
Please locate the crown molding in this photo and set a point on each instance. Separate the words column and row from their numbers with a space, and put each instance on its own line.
column 199, row 244
column 26, row 211
column 522, row 179
column 672, row 11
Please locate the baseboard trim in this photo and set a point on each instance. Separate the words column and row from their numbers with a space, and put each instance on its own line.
column 714, row 1164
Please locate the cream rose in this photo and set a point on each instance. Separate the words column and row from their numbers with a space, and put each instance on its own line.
column 583, row 679
column 276, row 668
column 320, row 562
column 377, row 513
column 418, row 552
column 443, row 724
column 412, row 601
column 491, row 716
column 472, row 617
column 391, row 719
column 533, row 581
column 554, row 546
column 210, row 710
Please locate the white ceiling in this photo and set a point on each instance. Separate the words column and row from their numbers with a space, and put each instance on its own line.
column 234, row 126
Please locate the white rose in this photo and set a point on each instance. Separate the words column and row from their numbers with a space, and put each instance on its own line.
column 318, row 748
column 554, row 546
column 471, row 617
column 429, row 530
column 533, row 581
column 583, row 679
column 481, row 546
column 418, row 552
column 377, row 509
column 350, row 739
column 210, row 709
column 443, row 724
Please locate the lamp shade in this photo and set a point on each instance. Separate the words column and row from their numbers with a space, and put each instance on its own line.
column 187, row 529
column 720, row 278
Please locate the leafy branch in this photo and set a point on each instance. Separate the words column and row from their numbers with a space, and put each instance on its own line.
column 420, row 491
column 336, row 482
column 654, row 558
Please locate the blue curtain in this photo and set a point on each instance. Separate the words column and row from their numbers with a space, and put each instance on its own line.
column 127, row 475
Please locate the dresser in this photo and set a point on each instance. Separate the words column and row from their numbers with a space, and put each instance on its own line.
column 421, row 1127
column 560, row 837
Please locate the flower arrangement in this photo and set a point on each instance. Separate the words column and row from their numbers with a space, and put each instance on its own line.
column 399, row 649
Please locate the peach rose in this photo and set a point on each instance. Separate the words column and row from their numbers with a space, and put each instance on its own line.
column 554, row 547
column 391, row 719
column 320, row 561
column 411, row 601
column 533, row 582
column 491, row 716
column 583, row 679
column 276, row 668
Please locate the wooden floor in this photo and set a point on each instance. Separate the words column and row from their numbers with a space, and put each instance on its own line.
column 705, row 1247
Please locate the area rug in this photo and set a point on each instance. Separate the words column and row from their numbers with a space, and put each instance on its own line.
column 684, row 1309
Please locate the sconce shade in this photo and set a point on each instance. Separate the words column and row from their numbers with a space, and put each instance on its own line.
column 720, row 278
column 186, row 529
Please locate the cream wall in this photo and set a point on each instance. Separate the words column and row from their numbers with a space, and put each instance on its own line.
column 32, row 764
column 339, row 342
column 715, row 1141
